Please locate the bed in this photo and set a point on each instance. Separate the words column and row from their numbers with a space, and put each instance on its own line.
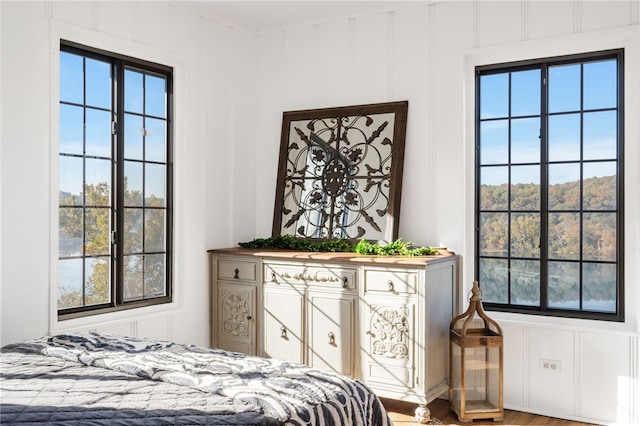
column 103, row 379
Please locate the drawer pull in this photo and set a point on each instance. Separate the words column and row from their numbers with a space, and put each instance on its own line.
column 283, row 332
column 273, row 277
column 390, row 284
column 249, row 317
column 236, row 273
column 345, row 282
column 332, row 338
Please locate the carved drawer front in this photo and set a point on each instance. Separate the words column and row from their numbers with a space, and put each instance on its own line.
column 388, row 343
column 389, row 281
column 232, row 269
column 317, row 276
column 235, row 317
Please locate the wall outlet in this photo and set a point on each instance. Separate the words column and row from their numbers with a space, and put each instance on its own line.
column 550, row 364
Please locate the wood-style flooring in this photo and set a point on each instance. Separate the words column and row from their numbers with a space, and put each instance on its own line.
column 401, row 414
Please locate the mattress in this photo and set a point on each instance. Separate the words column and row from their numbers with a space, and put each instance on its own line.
column 102, row 379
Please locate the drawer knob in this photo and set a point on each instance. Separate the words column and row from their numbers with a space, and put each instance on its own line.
column 345, row 282
column 249, row 317
column 236, row 273
column 273, row 277
column 283, row 332
column 332, row 339
column 390, row 284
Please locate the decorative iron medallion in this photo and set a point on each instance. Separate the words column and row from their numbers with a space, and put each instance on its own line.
column 338, row 169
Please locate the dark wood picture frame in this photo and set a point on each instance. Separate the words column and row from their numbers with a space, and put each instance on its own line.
column 340, row 172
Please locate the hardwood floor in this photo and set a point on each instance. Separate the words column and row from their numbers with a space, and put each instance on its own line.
column 401, row 414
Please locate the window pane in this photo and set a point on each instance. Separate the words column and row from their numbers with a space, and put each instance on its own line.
column 69, row 283
column 133, row 91
column 154, row 273
column 525, row 93
column 154, row 185
column 70, row 231
column 525, row 282
column 133, row 183
column 155, row 96
column 98, row 75
column 525, row 140
column 600, row 186
column 133, row 131
column 133, row 277
column 564, row 88
column 493, row 189
column 97, row 280
column 525, row 188
column 494, row 96
column 494, row 234
column 154, row 227
column 564, row 285
column 98, row 136
column 97, row 231
column 600, row 135
column 133, row 230
column 98, row 186
column 71, row 78
column 71, row 129
column 599, row 287
column 154, row 141
column 599, row 236
column 70, row 181
column 564, row 186
column 564, row 137
column 525, row 235
column 600, row 84
column 494, row 280
column 564, row 236
column 494, row 142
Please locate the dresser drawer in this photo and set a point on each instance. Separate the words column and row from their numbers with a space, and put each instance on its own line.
column 327, row 276
column 390, row 281
column 235, row 269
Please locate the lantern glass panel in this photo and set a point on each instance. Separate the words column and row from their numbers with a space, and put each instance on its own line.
column 481, row 380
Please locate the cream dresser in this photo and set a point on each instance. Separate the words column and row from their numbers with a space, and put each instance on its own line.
column 384, row 320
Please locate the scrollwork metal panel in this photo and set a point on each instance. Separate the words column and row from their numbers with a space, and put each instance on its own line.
column 340, row 172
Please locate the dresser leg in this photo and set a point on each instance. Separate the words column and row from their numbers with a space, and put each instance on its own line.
column 423, row 415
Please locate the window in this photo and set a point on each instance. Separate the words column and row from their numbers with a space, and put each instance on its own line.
column 114, row 182
column 549, row 192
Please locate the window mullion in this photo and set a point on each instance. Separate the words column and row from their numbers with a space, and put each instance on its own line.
column 118, row 148
column 544, row 189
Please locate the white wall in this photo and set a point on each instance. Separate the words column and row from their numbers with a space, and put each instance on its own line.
column 426, row 54
column 213, row 95
column 231, row 89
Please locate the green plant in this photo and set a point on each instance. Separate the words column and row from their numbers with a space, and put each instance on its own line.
column 290, row 242
column 397, row 247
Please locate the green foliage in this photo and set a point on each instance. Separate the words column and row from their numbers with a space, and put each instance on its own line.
column 291, row 242
column 573, row 235
column 397, row 247
column 143, row 274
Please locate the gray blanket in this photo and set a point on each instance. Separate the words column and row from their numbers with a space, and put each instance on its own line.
column 101, row 379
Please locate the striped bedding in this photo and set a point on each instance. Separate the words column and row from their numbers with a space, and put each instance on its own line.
column 102, row 379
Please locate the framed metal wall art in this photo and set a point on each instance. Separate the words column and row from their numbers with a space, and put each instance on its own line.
column 340, row 172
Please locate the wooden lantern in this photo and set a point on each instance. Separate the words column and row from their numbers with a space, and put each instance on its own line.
column 476, row 357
